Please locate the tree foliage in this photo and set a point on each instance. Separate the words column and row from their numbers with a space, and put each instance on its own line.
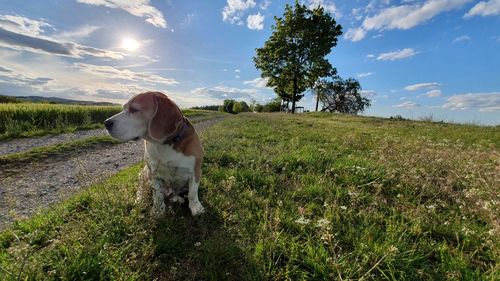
column 232, row 106
column 293, row 58
column 341, row 95
column 240, row 107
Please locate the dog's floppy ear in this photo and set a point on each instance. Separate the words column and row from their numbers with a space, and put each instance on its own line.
column 166, row 119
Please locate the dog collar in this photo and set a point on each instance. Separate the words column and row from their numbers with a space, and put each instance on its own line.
column 178, row 137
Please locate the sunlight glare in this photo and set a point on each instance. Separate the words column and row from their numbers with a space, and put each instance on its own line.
column 130, row 44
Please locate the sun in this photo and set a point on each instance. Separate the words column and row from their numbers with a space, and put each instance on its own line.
column 130, row 44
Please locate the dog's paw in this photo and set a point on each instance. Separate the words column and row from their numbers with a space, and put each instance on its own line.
column 196, row 208
column 157, row 212
column 177, row 199
column 158, row 208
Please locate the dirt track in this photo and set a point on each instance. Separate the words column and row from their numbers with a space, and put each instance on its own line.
column 43, row 182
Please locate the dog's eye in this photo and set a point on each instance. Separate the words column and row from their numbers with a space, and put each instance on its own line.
column 132, row 110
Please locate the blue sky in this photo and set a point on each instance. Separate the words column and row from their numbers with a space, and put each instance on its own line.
column 414, row 58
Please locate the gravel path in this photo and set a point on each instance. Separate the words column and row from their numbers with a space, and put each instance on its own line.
column 42, row 183
column 20, row 145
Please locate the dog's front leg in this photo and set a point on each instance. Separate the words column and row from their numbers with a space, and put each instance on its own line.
column 158, row 197
column 194, row 203
column 143, row 190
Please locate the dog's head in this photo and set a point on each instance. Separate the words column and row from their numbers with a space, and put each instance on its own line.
column 150, row 115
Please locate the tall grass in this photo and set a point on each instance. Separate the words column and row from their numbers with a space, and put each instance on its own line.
column 27, row 119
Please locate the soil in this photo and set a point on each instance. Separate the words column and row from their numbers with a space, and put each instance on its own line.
column 41, row 183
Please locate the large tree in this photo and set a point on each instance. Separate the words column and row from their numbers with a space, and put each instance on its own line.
column 293, row 58
column 341, row 95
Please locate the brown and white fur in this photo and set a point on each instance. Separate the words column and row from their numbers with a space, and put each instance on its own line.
column 173, row 151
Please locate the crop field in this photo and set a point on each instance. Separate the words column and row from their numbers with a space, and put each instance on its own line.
column 33, row 119
column 289, row 197
column 28, row 119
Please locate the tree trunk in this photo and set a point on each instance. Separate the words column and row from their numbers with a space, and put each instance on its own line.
column 317, row 101
column 294, row 94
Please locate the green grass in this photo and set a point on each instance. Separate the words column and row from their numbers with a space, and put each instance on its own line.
column 18, row 120
column 304, row 197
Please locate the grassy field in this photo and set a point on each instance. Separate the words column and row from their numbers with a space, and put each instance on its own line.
column 304, row 197
column 35, row 119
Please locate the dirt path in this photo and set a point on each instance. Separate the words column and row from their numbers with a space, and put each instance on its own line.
column 20, row 145
column 42, row 183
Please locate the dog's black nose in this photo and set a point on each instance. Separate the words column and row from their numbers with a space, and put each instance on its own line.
column 108, row 124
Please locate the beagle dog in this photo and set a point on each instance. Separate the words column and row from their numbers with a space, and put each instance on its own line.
column 173, row 151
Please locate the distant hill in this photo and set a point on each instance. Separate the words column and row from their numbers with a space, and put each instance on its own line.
column 38, row 99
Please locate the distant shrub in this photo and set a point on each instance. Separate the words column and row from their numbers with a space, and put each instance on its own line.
column 258, row 108
column 398, row 118
column 227, row 106
column 208, row 107
column 273, row 106
column 240, row 107
column 6, row 99
column 430, row 118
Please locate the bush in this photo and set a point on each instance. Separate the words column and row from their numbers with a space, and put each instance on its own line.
column 273, row 106
column 6, row 99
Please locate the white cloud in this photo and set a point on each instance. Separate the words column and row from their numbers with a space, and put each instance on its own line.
column 223, row 92
column 397, row 55
column 234, row 10
column 355, row 34
column 485, row 102
column 484, row 8
column 255, row 22
column 433, row 93
column 265, row 4
column 110, row 72
column 329, row 6
column 423, row 86
column 462, row 38
column 138, row 8
column 43, row 44
column 79, row 33
column 407, row 105
column 368, row 93
column 22, row 25
column 370, row 56
column 257, row 82
column 403, row 17
column 22, row 75
column 26, row 34
column 363, row 74
column 10, row 76
column 237, row 71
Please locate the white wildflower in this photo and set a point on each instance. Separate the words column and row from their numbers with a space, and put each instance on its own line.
column 322, row 222
column 302, row 220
